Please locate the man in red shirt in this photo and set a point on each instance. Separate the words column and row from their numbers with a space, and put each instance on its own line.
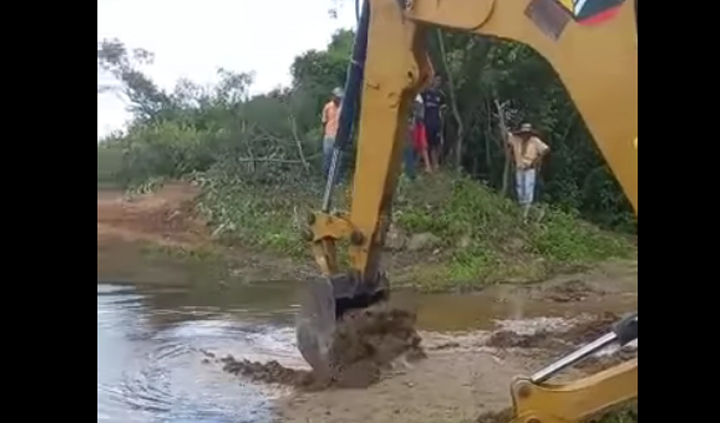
column 420, row 132
column 417, row 140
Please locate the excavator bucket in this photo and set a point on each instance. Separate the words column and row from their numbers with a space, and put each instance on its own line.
column 315, row 324
column 326, row 302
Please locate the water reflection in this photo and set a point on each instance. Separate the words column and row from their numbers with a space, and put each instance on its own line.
column 147, row 374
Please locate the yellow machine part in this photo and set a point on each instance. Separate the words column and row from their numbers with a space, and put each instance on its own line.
column 596, row 60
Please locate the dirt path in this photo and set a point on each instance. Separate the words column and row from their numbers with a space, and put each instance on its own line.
column 463, row 375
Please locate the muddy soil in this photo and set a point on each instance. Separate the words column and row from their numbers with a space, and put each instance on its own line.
column 578, row 334
column 573, row 290
column 465, row 378
column 365, row 345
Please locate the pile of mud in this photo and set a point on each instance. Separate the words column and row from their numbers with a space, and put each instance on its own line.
column 368, row 341
column 579, row 334
column 365, row 343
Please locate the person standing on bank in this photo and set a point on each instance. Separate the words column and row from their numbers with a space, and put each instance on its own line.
column 330, row 117
column 416, row 142
column 528, row 150
column 434, row 101
column 419, row 133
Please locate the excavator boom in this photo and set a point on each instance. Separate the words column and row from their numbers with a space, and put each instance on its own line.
column 591, row 44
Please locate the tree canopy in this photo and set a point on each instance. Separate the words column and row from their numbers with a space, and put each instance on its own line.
column 275, row 137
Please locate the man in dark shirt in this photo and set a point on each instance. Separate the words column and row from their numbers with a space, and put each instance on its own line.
column 433, row 100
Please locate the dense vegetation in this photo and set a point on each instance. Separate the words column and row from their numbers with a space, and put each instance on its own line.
column 237, row 146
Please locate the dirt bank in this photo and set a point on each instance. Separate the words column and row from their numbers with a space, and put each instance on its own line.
column 167, row 217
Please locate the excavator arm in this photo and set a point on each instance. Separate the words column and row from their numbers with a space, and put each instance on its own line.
column 591, row 44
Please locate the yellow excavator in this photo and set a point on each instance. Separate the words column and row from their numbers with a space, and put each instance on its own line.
column 591, row 44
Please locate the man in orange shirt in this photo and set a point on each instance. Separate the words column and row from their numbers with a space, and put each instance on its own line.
column 330, row 117
column 528, row 151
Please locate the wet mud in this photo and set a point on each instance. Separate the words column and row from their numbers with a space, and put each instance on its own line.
column 366, row 343
column 571, row 291
column 578, row 334
column 269, row 372
column 599, row 363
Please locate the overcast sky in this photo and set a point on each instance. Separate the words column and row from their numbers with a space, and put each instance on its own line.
column 192, row 38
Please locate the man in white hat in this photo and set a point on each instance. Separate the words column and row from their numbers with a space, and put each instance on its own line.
column 528, row 151
column 330, row 117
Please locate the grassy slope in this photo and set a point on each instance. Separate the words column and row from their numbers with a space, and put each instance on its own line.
column 478, row 236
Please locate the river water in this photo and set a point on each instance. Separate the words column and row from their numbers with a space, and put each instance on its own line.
column 150, row 360
column 157, row 318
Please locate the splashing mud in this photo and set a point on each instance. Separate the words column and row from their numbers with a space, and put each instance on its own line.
column 365, row 343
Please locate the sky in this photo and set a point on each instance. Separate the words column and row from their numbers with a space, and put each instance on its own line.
column 192, row 38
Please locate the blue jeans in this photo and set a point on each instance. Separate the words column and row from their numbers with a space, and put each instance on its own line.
column 327, row 152
column 525, row 185
column 410, row 161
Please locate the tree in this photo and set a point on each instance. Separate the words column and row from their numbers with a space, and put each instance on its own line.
column 493, row 85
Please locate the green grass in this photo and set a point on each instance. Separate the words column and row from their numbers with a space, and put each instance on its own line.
column 487, row 239
column 482, row 236
column 264, row 218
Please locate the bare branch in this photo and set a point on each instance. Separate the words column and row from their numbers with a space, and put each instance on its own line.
column 293, row 128
column 453, row 100
column 503, row 137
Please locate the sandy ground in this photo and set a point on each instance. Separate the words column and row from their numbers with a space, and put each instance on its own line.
column 449, row 386
column 462, row 375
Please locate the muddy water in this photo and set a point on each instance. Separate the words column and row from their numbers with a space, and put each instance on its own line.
column 157, row 318
column 484, row 310
column 150, row 358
